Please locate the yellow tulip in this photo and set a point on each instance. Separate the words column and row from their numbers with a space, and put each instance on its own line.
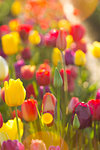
column 16, row 8
column 96, row 49
column 80, row 58
column 14, row 92
column 69, row 40
column 13, row 24
column 3, row 68
column 63, row 23
column 56, row 56
column 34, row 37
column 10, row 43
column 9, row 130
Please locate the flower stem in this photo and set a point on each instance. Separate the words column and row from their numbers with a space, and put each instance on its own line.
column 17, row 125
column 58, row 106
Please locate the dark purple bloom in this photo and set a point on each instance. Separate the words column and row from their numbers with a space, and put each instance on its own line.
column 12, row 145
column 41, row 92
column 47, row 89
column 84, row 114
column 26, row 54
column 69, row 57
column 18, row 66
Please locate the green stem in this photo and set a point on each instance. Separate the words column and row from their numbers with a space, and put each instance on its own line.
column 58, row 107
column 17, row 125
column 95, row 139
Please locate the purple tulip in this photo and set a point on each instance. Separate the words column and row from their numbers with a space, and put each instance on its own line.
column 98, row 94
column 18, row 66
column 69, row 57
column 84, row 114
column 12, row 145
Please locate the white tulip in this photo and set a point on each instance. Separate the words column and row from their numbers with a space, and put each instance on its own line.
column 3, row 68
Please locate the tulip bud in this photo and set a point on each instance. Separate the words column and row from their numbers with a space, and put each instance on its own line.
column 12, row 145
column 69, row 40
column 13, row 24
column 16, row 8
column 1, row 120
column 34, row 37
column 98, row 94
column 27, row 72
column 77, row 31
column 37, row 145
column 58, row 82
column 80, row 58
column 96, row 49
column 63, row 23
column 73, row 102
column 76, row 123
column 69, row 57
column 61, row 40
column 29, row 110
column 3, row 68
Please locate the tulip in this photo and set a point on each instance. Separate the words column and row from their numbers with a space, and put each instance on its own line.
column 54, row 148
column 49, row 103
column 37, row 145
column 2, row 94
column 95, row 105
column 73, row 102
column 69, row 40
column 16, row 8
column 10, row 43
column 80, row 58
column 14, row 92
column 61, row 40
column 69, row 57
column 18, row 66
column 29, row 110
column 3, row 68
column 96, row 49
column 12, row 145
column 34, row 37
column 4, row 29
column 27, row 72
column 13, row 24
column 98, row 94
column 56, row 56
column 30, row 91
column 1, row 120
column 51, row 37
column 76, row 123
column 77, row 31
column 84, row 114
column 26, row 54
column 63, row 23
column 43, row 75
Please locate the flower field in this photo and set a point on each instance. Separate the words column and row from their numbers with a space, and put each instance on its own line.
column 47, row 98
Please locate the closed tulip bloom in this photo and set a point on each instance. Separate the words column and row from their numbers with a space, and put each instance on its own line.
column 65, row 24
column 96, row 49
column 80, row 58
column 34, row 37
column 14, row 92
column 13, row 25
column 73, row 102
column 29, row 110
column 77, row 31
column 27, row 72
column 3, row 68
column 37, row 145
column 10, row 43
column 84, row 114
column 69, row 40
column 26, row 54
column 16, row 8
column 30, row 91
column 69, row 57
column 95, row 105
column 56, row 56
column 12, row 145
column 61, row 42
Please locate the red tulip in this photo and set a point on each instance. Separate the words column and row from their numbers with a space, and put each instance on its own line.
column 30, row 91
column 43, row 75
column 95, row 105
column 27, row 72
column 29, row 110
column 98, row 94
column 77, row 31
column 26, row 54
column 73, row 102
column 49, row 103
column 61, row 40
